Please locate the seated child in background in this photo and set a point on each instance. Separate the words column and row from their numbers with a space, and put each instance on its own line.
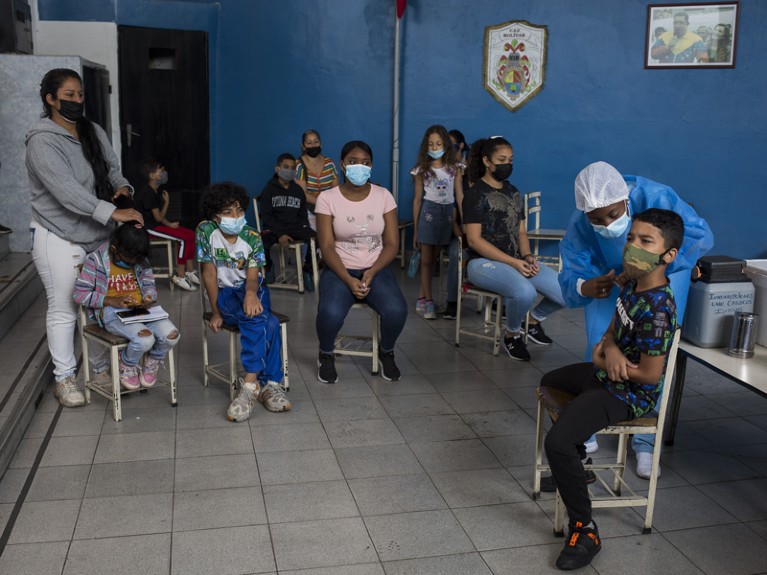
column 626, row 374
column 152, row 201
column 284, row 216
column 230, row 256
column 117, row 275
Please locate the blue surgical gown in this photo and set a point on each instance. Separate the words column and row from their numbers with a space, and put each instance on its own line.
column 586, row 254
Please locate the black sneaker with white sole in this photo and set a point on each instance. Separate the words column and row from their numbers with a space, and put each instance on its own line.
column 535, row 332
column 389, row 369
column 516, row 348
column 451, row 310
column 326, row 368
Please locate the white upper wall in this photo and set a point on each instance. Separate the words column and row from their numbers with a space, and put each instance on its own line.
column 94, row 41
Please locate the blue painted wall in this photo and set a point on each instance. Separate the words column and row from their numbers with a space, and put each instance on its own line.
column 279, row 68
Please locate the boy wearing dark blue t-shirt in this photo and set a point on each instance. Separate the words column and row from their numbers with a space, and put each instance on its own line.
column 626, row 374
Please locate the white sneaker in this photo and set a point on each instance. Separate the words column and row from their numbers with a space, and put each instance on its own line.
column 591, row 446
column 193, row 277
column 184, row 283
column 67, row 393
column 242, row 406
column 644, row 464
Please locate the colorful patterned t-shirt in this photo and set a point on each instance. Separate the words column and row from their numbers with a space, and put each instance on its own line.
column 645, row 322
column 232, row 261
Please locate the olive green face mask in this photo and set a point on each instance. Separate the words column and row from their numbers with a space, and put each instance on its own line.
column 638, row 262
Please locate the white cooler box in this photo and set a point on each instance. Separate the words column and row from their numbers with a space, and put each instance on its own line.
column 757, row 271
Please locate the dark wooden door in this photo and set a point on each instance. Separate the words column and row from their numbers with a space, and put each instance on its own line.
column 164, row 111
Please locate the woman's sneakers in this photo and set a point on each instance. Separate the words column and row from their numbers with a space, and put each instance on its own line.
column 515, row 347
column 389, row 369
column 67, row 393
column 326, row 368
column 426, row 308
column 535, row 333
column 129, row 377
column 451, row 310
column 148, row 374
column 184, row 282
column 580, row 548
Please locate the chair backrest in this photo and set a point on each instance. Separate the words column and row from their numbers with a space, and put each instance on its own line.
column 533, row 210
column 668, row 382
column 258, row 218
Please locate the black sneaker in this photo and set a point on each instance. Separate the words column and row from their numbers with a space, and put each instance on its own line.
column 516, row 348
column 582, row 545
column 327, row 368
column 548, row 485
column 389, row 369
column 451, row 310
column 536, row 333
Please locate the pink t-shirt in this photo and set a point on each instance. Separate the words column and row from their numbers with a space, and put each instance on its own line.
column 358, row 226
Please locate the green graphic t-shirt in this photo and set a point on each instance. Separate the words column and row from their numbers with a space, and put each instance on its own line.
column 232, row 261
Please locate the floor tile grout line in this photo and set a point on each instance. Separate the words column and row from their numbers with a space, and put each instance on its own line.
column 6, row 535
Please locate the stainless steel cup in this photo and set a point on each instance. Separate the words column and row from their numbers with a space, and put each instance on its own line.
column 743, row 335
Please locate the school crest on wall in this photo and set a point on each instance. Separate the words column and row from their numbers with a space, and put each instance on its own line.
column 515, row 62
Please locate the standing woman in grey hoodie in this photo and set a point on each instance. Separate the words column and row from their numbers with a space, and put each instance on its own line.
column 74, row 178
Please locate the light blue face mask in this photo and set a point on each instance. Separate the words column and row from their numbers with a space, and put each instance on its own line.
column 436, row 154
column 358, row 174
column 232, row 226
column 615, row 229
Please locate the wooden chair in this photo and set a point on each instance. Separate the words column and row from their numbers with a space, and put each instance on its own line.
column 536, row 234
column 291, row 279
column 552, row 401
column 229, row 372
column 112, row 391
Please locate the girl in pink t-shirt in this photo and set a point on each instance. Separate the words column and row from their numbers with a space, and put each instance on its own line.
column 357, row 231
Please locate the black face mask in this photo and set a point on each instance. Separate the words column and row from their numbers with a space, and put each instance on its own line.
column 314, row 151
column 71, row 111
column 502, row 171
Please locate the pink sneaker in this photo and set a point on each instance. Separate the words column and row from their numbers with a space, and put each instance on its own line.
column 129, row 376
column 148, row 373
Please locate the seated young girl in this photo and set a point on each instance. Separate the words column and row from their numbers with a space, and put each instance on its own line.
column 117, row 275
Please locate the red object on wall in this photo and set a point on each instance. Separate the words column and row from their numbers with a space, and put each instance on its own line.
column 401, row 5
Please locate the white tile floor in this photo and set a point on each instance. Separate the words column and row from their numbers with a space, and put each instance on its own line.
column 429, row 475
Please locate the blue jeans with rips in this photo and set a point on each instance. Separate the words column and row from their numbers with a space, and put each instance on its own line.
column 518, row 292
column 156, row 344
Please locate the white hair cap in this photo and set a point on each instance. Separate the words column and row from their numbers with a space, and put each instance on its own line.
column 599, row 185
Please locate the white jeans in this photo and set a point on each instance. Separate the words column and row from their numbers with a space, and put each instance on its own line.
column 58, row 265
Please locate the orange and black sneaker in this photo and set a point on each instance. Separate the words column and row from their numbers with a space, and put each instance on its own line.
column 580, row 548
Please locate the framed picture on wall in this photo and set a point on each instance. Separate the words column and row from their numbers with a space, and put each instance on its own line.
column 699, row 35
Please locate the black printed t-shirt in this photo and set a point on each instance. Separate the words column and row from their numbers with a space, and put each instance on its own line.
column 145, row 200
column 499, row 212
column 645, row 322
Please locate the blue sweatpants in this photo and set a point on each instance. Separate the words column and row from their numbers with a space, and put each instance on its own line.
column 259, row 335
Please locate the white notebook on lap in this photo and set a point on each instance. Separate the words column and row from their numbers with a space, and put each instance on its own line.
column 141, row 314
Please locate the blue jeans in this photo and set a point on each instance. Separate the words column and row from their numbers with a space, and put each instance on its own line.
column 384, row 297
column 260, row 338
column 157, row 344
column 518, row 292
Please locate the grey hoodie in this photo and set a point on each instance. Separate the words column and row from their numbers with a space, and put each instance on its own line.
column 61, row 184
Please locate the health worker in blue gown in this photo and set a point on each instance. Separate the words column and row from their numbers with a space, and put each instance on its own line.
column 592, row 249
